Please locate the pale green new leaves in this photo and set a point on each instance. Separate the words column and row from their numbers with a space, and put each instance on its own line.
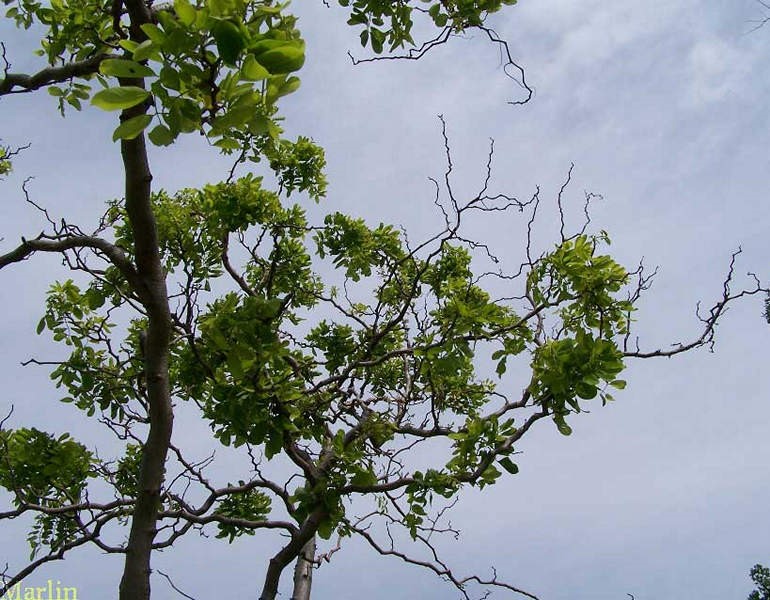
column 390, row 23
column 5, row 160
column 41, row 470
column 231, row 93
column 586, row 357
column 119, row 98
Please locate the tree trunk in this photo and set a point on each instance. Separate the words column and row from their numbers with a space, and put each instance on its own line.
column 135, row 583
column 303, row 571
column 295, row 549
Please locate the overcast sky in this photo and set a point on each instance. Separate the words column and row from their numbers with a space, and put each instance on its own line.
column 663, row 108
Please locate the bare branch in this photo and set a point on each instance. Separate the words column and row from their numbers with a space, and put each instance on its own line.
column 60, row 244
column 440, row 568
column 174, row 587
column 711, row 320
column 443, row 37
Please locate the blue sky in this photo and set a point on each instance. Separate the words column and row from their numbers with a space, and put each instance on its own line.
column 662, row 106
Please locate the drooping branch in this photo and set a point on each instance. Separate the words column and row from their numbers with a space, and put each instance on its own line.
column 439, row 567
column 25, row 507
column 217, row 518
column 174, row 586
column 443, row 37
column 60, row 244
column 87, row 536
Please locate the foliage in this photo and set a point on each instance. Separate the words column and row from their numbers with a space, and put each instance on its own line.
column 386, row 22
column 760, row 575
column 5, row 162
column 251, row 505
column 337, row 347
column 41, row 470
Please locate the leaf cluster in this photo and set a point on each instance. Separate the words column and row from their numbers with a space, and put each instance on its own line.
column 386, row 23
column 217, row 68
column 42, row 470
column 251, row 505
column 760, row 575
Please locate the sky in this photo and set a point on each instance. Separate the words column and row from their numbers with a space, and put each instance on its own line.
column 662, row 108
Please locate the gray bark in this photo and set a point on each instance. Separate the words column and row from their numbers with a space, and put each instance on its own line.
column 290, row 552
column 303, row 571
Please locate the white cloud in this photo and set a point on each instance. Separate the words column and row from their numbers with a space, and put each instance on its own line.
column 716, row 70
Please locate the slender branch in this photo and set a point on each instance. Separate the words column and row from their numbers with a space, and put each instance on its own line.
column 174, row 587
column 442, row 38
column 440, row 569
column 217, row 518
column 6, row 582
column 710, row 322
column 63, row 510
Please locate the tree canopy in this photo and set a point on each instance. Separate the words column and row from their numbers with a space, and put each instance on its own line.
column 338, row 348
column 760, row 575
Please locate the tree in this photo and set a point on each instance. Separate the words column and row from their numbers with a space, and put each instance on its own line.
column 212, row 298
column 760, row 575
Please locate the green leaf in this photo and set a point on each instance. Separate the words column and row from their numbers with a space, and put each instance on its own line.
column 161, row 136
column 228, row 144
column 585, row 390
column 129, row 45
column 235, row 364
column 131, row 128
column 283, row 59
column 185, row 11
column 507, row 464
column 501, row 368
column 363, row 478
column 378, row 40
column 169, row 78
column 326, row 529
column 217, row 7
column 229, row 41
column 119, row 98
column 154, row 33
column 290, row 86
column 147, row 49
column 252, row 70
column 118, row 67
column 619, row 384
